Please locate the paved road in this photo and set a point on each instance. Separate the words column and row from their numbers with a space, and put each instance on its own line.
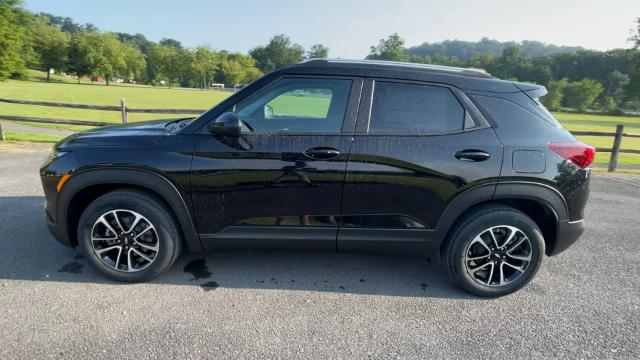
column 584, row 303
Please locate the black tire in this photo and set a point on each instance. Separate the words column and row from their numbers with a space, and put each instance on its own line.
column 477, row 223
column 167, row 235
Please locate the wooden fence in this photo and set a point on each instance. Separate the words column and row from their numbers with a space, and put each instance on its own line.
column 615, row 150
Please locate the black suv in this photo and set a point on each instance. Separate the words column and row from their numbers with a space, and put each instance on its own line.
column 333, row 155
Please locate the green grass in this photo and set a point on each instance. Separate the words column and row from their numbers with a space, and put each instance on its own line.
column 604, row 123
column 24, row 136
column 136, row 96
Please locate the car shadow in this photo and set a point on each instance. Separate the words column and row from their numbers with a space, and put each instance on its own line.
column 31, row 254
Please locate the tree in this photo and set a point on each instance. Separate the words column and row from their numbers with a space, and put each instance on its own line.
column 79, row 55
column 278, row 53
column 238, row 68
column 13, row 38
column 318, row 51
column 205, row 64
column 632, row 89
column 134, row 63
column 391, row 48
column 50, row 44
column 555, row 89
column 582, row 94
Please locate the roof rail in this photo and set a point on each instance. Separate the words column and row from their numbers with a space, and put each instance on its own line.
column 440, row 68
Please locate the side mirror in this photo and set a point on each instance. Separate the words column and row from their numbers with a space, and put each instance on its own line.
column 227, row 124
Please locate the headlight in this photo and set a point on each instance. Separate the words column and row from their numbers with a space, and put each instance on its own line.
column 54, row 154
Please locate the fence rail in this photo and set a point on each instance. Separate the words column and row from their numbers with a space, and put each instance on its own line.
column 124, row 110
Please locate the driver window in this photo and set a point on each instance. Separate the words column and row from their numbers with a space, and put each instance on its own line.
column 297, row 105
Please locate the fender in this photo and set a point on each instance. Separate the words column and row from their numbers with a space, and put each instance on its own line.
column 541, row 193
column 137, row 177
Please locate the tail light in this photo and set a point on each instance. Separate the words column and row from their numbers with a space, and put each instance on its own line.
column 579, row 154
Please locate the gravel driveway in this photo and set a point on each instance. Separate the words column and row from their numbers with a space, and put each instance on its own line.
column 585, row 303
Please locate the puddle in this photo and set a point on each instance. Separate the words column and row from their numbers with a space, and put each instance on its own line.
column 198, row 269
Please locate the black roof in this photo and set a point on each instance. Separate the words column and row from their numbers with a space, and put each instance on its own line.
column 463, row 78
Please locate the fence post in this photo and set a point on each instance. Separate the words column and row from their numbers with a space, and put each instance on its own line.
column 613, row 162
column 1, row 132
column 123, row 110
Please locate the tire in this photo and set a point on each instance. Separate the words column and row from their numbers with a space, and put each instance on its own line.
column 489, row 270
column 150, row 235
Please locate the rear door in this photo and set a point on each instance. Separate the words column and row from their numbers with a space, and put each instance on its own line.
column 280, row 184
column 417, row 146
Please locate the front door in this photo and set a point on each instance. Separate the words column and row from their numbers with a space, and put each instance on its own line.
column 280, row 184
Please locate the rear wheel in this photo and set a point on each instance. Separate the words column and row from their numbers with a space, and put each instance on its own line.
column 129, row 235
column 495, row 251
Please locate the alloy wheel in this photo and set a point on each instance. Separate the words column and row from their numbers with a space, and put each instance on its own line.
column 498, row 256
column 125, row 240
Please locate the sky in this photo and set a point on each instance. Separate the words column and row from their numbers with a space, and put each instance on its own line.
column 350, row 27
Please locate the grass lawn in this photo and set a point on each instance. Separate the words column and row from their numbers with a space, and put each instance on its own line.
column 604, row 123
column 140, row 96
column 23, row 136
column 136, row 96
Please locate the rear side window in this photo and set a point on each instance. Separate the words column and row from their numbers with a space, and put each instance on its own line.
column 400, row 108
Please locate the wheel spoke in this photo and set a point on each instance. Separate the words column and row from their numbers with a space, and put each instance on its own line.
column 478, row 239
column 115, row 215
column 519, row 269
column 129, row 268
column 520, row 257
column 104, row 222
column 135, row 222
column 476, row 269
column 493, row 238
column 143, row 231
column 118, row 258
column 146, row 246
column 142, row 255
column 501, row 274
column 101, row 251
column 490, row 274
column 517, row 244
column 478, row 257
column 511, row 235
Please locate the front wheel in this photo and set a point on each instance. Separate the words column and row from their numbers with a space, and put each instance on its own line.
column 495, row 251
column 129, row 235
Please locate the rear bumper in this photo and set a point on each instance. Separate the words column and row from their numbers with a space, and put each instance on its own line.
column 568, row 233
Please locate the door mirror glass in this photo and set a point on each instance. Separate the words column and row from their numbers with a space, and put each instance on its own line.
column 227, row 124
column 268, row 111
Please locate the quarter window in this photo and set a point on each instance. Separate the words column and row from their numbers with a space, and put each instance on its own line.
column 400, row 108
column 297, row 105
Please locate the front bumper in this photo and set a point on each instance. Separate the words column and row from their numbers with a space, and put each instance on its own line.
column 568, row 232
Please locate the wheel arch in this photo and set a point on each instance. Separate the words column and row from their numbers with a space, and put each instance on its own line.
column 542, row 203
column 84, row 187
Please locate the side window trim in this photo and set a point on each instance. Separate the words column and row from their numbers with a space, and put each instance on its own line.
column 350, row 118
column 472, row 113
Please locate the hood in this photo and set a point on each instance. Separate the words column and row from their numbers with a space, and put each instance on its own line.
column 133, row 134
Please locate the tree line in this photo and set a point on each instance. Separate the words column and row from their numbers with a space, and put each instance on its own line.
column 575, row 77
column 44, row 41
column 578, row 79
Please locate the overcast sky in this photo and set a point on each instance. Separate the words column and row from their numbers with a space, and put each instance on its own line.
column 349, row 28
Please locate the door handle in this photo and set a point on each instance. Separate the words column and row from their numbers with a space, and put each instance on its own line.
column 472, row 155
column 322, row 153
